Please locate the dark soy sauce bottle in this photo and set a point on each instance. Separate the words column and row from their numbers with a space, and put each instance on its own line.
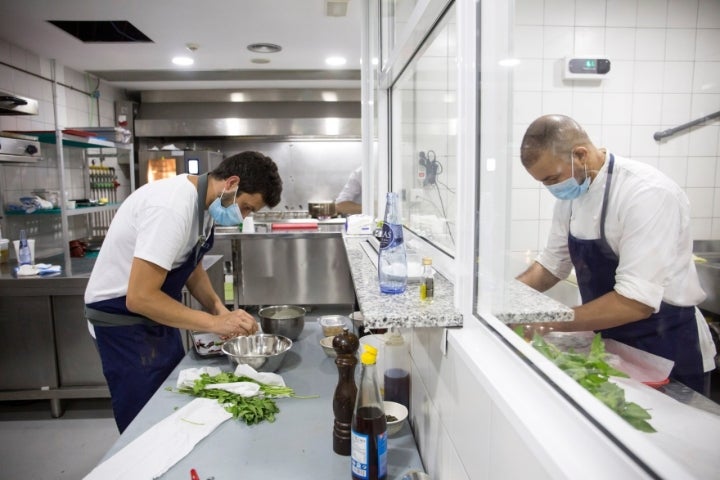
column 368, row 450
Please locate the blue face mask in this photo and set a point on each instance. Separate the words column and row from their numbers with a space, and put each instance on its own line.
column 227, row 216
column 570, row 188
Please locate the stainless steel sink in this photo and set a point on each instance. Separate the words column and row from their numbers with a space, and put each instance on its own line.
column 709, row 272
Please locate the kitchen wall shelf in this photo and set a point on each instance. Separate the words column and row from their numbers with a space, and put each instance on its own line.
column 68, row 212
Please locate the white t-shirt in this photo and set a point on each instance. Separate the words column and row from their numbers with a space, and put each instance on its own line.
column 647, row 226
column 352, row 191
column 157, row 223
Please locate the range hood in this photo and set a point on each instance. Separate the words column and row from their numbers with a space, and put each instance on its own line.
column 260, row 113
column 11, row 104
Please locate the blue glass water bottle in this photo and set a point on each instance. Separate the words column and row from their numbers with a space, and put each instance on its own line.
column 392, row 262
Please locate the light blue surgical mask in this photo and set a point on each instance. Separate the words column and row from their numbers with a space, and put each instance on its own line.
column 570, row 189
column 227, row 216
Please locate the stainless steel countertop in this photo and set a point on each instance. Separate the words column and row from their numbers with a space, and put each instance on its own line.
column 297, row 445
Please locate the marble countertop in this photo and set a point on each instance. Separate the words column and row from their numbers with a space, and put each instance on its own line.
column 522, row 304
column 402, row 310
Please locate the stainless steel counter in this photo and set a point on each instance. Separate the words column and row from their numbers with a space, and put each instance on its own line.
column 297, row 445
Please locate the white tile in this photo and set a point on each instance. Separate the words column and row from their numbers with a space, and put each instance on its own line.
column 621, row 13
column 523, row 235
column 557, row 41
column 708, row 44
column 716, row 205
column 646, row 109
column 547, row 205
column 702, row 228
column 528, row 12
column 703, row 140
column 715, row 231
column 6, row 78
column 675, row 168
column 682, row 13
column 701, row 202
column 589, row 40
column 552, row 75
column 678, row 77
column 674, row 146
column 587, row 107
column 652, row 13
column 520, row 177
column 557, row 102
column 650, row 44
column 648, row 77
column 675, row 109
column 543, row 232
column 616, row 138
column 559, row 12
column 527, row 106
column 616, row 109
column 707, row 77
column 524, row 203
column 619, row 44
column 5, row 51
column 527, row 76
column 680, row 44
column 704, row 104
column 701, row 171
column 590, row 13
column 621, row 77
column 528, row 41
column 709, row 14
column 642, row 142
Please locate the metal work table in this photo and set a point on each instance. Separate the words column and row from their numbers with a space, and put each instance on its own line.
column 297, row 445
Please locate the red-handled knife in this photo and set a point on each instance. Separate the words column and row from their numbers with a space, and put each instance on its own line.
column 194, row 475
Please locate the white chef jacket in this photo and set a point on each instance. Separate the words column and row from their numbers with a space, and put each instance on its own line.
column 647, row 226
column 352, row 191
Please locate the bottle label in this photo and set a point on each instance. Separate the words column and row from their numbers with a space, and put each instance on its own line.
column 359, row 461
column 392, row 236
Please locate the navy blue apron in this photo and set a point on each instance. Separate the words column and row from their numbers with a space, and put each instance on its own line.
column 670, row 333
column 137, row 353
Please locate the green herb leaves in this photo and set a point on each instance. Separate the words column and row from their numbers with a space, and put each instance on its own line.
column 593, row 372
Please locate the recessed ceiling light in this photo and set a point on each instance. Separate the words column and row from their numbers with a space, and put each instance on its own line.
column 264, row 48
column 183, row 61
column 259, row 61
column 335, row 61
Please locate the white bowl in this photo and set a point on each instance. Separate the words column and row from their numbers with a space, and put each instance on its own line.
column 398, row 411
column 327, row 346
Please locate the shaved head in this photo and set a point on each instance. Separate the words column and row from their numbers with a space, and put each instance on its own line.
column 557, row 134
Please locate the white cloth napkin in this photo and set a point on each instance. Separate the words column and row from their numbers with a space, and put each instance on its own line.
column 268, row 378
column 164, row 444
column 187, row 377
column 244, row 389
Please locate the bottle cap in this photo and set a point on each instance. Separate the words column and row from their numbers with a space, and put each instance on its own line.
column 369, row 355
column 427, row 261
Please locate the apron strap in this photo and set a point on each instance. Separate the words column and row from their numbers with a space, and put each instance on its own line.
column 603, row 213
column 202, row 193
column 104, row 319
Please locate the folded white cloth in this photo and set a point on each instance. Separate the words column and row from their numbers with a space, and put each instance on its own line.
column 244, row 389
column 37, row 269
column 164, row 444
column 268, row 378
column 187, row 377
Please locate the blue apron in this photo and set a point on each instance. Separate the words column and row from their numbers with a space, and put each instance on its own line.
column 137, row 353
column 670, row 333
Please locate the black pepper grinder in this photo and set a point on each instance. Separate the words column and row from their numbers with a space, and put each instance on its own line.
column 345, row 345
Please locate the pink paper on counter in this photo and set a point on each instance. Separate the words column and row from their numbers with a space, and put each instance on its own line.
column 640, row 365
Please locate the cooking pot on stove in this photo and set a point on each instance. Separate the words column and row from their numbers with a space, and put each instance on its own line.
column 321, row 210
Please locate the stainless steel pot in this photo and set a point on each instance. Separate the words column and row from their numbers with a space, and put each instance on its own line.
column 322, row 210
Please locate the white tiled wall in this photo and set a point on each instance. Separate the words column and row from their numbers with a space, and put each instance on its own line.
column 665, row 71
column 24, row 73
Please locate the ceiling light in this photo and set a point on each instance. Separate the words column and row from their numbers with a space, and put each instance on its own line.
column 183, row 61
column 264, row 48
column 335, row 61
column 336, row 8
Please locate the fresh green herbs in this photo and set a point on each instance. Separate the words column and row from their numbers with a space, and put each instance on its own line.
column 250, row 410
column 592, row 372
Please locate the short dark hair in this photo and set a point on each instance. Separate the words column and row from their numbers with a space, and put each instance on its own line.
column 556, row 133
column 258, row 174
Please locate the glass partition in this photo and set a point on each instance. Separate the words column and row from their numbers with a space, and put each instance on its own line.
column 424, row 137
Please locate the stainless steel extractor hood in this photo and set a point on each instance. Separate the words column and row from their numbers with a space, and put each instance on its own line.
column 270, row 113
column 11, row 104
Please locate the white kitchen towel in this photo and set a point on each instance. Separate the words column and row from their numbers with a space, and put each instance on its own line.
column 187, row 377
column 267, row 378
column 164, row 444
column 244, row 389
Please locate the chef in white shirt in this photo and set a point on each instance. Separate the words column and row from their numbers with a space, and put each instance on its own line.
column 349, row 200
column 625, row 228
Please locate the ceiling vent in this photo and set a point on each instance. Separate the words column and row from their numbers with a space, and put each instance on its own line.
column 11, row 104
column 112, row 31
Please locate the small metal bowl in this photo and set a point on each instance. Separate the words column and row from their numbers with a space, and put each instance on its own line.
column 285, row 320
column 263, row 352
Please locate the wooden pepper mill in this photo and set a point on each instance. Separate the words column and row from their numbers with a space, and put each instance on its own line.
column 345, row 345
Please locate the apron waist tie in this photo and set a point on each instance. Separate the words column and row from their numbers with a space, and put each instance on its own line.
column 104, row 319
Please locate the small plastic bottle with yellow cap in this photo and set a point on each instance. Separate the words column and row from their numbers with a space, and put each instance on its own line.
column 368, row 440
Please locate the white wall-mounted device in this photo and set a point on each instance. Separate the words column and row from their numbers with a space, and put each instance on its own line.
column 586, row 67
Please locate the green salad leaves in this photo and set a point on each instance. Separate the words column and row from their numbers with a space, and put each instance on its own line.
column 592, row 372
column 250, row 410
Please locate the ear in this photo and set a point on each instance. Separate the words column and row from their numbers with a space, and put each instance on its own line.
column 581, row 153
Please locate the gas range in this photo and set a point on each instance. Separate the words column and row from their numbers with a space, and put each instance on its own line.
column 19, row 148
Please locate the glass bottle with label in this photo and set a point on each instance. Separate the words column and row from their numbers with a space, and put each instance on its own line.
column 368, row 438
column 427, row 282
column 392, row 261
column 24, row 256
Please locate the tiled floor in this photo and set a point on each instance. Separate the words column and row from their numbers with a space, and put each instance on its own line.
column 35, row 446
